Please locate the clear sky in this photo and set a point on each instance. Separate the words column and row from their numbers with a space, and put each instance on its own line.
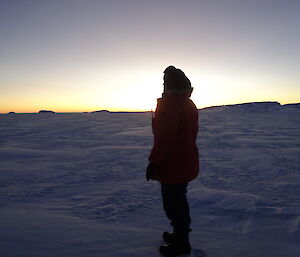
column 84, row 55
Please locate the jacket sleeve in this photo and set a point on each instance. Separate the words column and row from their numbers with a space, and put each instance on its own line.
column 165, row 130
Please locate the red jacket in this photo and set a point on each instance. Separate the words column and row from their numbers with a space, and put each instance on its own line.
column 175, row 127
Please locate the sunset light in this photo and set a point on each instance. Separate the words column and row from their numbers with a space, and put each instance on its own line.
column 73, row 56
column 143, row 128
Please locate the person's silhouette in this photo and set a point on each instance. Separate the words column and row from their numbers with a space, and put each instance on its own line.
column 174, row 157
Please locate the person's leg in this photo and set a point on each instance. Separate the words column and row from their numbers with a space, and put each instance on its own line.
column 176, row 208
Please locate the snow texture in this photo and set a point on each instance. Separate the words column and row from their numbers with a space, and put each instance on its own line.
column 73, row 185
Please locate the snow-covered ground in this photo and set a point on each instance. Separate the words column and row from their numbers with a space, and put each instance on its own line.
column 73, row 185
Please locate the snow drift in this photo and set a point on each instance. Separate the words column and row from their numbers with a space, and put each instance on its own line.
column 74, row 184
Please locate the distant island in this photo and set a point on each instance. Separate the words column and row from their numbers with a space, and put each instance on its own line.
column 101, row 111
column 255, row 107
column 46, row 111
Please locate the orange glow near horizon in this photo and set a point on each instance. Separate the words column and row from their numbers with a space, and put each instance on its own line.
column 137, row 90
column 96, row 55
column 140, row 97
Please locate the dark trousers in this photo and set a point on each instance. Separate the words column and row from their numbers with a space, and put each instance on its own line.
column 176, row 207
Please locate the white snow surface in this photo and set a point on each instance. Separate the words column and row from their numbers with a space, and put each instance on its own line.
column 73, row 185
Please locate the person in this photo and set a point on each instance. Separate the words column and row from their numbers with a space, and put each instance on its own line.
column 173, row 160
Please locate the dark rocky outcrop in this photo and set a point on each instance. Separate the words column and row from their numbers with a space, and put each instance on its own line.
column 46, row 111
column 101, row 111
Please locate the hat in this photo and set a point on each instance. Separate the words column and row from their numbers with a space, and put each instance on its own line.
column 175, row 79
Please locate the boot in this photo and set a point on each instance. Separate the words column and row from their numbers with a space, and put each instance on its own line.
column 180, row 245
column 174, row 250
column 169, row 237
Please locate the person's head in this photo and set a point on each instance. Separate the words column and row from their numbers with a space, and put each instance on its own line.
column 175, row 80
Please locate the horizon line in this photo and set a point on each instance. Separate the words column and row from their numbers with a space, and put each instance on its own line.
column 135, row 110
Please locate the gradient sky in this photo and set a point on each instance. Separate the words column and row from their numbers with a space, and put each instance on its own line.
column 84, row 55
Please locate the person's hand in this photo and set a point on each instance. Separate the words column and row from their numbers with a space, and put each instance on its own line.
column 151, row 169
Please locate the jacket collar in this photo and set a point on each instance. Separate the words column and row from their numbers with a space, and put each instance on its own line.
column 186, row 92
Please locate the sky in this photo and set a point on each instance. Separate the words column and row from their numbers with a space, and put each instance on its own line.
column 86, row 55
